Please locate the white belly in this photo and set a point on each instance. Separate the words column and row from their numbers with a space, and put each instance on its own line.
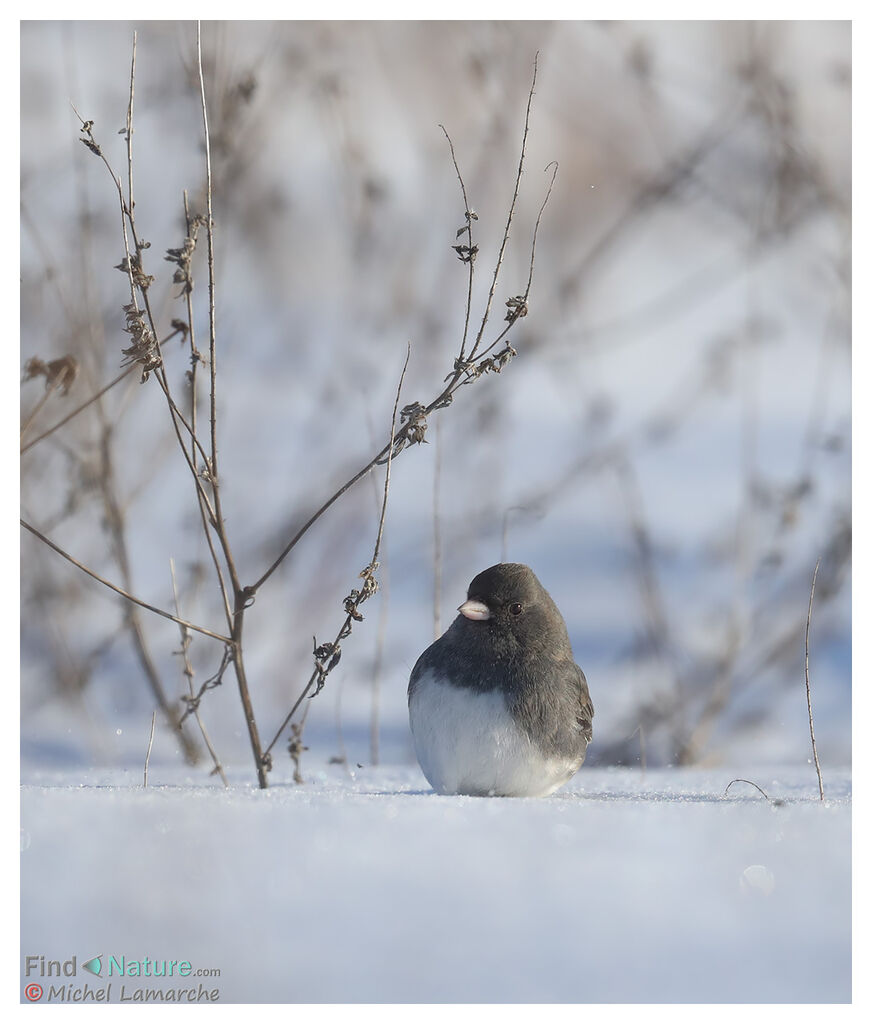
column 467, row 742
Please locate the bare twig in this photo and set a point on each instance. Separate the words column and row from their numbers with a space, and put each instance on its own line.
column 210, row 243
column 129, row 132
column 437, row 535
column 148, row 751
column 519, row 304
column 748, row 782
column 378, row 660
column 81, row 408
column 94, row 398
column 242, row 596
column 115, row 525
column 511, row 215
column 467, row 253
column 35, row 411
column 817, row 763
column 114, row 518
column 145, row 350
column 193, row 699
column 193, row 708
column 327, row 655
column 465, row 370
column 375, row 710
column 182, row 258
column 408, row 425
column 118, row 590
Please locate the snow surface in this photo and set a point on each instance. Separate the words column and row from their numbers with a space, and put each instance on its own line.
column 625, row 886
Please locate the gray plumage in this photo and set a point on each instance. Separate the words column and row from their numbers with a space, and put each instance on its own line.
column 505, row 663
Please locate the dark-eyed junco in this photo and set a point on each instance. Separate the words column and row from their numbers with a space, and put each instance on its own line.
column 497, row 705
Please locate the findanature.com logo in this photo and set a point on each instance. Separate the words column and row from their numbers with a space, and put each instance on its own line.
column 38, row 965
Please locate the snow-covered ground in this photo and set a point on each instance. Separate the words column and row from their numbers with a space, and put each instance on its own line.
column 626, row 886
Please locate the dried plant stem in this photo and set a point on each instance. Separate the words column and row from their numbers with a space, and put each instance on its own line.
column 143, row 654
column 245, row 693
column 465, row 371
column 375, row 710
column 817, row 763
column 189, row 676
column 384, row 508
column 118, row 590
column 46, row 433
column 139, row 288
column 748, row 782
column 34, row 412
column 470, row 216
column 320, row 672
column 242, row 598
column 210, row 507
column 114, row 513
column 210, row 245
column 378, row 660
column 203, row 465
column 437, row 535
column 148, row 752
column 129, row 133
column 203, row 506
column 526, row 294
column 511, row 215
column 115, row 526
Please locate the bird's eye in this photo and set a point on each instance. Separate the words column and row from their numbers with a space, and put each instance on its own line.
column 516, row 608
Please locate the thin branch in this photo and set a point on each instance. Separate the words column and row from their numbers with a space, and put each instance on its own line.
column 242, row 598
column 203, row 506
column 151, row 357
column 192, row 700
column 148, row 751
column 332, row 651
column 46, row 395
column 252, row 590
column 759, row 789
column 465, row 370
column 556, row 167
column 211, row 261
column 471, row 250
column 381, row 522
column 437, row 535
column 90, row 401
column 81, row 408
column 511, row 216
column 817, row 763
column 519, row 306
column 189, row 675
column 129, row 132
column 118, row 590
column 115, row 525
column 378, row 665
column 212, row 462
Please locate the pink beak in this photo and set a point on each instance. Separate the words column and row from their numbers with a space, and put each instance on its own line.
column 476, row 610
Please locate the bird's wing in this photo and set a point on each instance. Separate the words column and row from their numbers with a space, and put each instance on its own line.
column 584, row 713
